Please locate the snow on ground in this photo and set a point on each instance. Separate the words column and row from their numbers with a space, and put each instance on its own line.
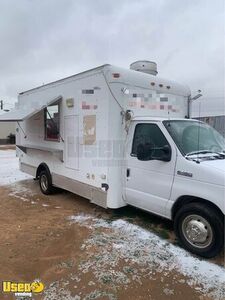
column 9, row 168
column 121, row 240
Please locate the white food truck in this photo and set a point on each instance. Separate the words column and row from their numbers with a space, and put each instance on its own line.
column 123, row 137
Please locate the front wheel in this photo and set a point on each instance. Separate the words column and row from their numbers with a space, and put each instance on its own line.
column 200, row 229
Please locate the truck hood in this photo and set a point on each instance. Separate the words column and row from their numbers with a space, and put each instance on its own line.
column 212, row 171
column 218, row 164
column 208, row 171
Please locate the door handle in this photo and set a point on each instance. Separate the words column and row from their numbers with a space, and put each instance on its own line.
column 128, row 173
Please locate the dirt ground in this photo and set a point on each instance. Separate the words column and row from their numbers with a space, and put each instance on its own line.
column 40, row 239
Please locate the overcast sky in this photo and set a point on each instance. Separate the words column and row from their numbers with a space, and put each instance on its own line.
column 41, row 41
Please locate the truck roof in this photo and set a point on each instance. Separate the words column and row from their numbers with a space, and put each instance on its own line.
column 65, row 79
column 127, row 76
column 147, row 81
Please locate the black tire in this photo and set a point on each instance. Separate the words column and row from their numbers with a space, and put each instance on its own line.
column 195, row 218
column 45, row 182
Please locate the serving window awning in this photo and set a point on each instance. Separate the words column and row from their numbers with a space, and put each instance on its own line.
column 21, row 114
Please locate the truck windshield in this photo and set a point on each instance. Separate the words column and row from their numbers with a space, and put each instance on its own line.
column 193, row 137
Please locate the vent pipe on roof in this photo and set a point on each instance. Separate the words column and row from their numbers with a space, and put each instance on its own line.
column 145, row 66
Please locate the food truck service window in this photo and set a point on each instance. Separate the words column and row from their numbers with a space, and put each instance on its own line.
column 51, row 115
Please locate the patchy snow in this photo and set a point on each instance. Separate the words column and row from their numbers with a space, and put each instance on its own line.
column 21, row 192
column 137, row 246
column 9, row 168
column 57, row 290
column 80, row 218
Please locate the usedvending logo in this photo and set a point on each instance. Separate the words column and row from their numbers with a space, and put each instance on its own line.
column 22, row 289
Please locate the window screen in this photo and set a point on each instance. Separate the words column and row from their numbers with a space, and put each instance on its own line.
column 52, row 122
column 148, row 134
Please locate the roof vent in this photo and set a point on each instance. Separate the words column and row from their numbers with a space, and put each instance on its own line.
column 144, row 66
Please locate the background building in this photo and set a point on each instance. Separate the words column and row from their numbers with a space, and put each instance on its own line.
column 6, row 129
column 210, row 110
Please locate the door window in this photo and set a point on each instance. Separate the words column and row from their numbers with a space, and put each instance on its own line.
column 148, row 135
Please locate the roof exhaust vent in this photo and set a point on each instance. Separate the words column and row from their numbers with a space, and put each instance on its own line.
column 145, row 66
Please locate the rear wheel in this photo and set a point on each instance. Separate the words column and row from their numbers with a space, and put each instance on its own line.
column 45, row 182
column 200, row 229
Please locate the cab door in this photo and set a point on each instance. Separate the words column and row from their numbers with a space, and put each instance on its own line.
column 149, row 182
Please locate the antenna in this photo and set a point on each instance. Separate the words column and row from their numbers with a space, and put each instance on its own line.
column 199, row 114
column 168, row 114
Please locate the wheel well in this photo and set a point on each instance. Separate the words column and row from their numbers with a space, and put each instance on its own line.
column 190, row 199
column 42, row 167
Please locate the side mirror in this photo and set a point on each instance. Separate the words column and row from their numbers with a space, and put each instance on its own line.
column 146, row 152
column 167, row 153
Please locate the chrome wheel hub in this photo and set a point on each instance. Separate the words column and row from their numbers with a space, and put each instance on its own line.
column 44, row 182
column 197, row 231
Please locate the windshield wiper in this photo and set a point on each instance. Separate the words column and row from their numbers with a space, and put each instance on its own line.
column 221, row 154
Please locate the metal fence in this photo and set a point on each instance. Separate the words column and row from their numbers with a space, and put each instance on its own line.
column 218, row 122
